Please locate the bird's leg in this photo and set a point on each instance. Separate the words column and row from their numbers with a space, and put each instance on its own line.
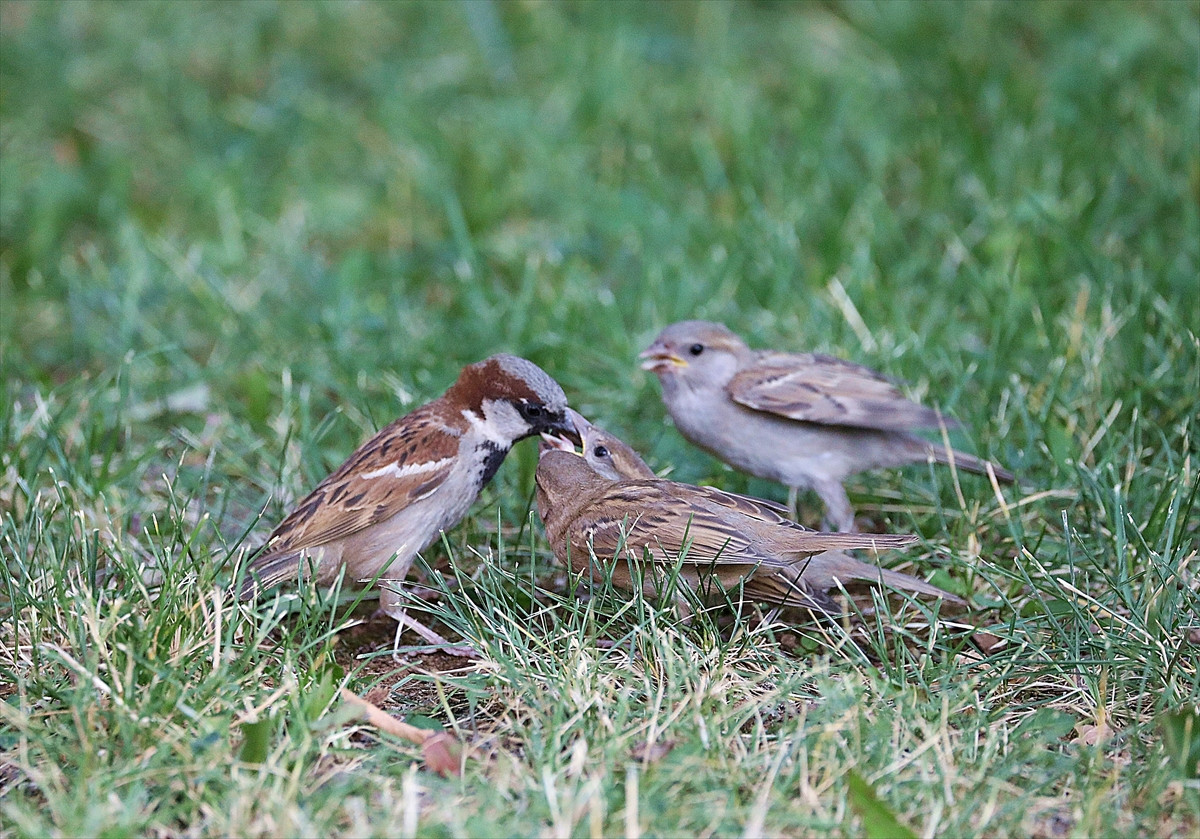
column 793, row 503
column 839, row 515
column 390, row 604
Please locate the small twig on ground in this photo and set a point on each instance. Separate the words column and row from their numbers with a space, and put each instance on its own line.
column 441, row 750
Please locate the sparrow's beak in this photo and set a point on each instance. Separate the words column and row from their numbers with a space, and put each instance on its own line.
column 564, row 426
column 659, row 357
column 582, row 426
column 566, row 435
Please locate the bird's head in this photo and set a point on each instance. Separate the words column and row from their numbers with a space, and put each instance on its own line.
column 695, row 354
column 609, row 455
column 510, row 398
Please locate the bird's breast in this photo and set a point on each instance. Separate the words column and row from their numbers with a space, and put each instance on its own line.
column 492, row 456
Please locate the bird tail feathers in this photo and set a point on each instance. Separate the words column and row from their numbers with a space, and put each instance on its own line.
column 970, row 463
column 267, row 571
column 825, row 570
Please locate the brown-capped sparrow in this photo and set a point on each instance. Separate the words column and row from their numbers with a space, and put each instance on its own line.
column 410, row 482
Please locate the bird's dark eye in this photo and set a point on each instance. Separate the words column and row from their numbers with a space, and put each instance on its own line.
column 600, row 451
column 696, row 349
column 532, row 410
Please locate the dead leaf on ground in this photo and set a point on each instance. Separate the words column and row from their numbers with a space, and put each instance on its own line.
column 1090, row 734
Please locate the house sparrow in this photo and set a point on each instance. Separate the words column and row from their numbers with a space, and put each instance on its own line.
column 805, row 420
column 726, row 539
column 411, row 481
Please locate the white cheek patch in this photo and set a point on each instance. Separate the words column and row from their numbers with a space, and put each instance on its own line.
column 396, row 470
column 500, row 424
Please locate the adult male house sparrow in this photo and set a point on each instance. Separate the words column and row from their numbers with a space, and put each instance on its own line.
column 805, row 420
column 414, row 479
column 723, row 538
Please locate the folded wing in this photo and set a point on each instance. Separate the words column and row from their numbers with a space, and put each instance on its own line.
column 810, row 387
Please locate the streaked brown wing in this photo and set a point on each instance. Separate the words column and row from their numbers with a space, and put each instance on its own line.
column 776, row 535
column 405, row 462
column 719, row 553
column 822, row 389
column 759, row 508
column 636, row 514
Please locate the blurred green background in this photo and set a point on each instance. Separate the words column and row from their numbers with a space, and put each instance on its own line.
column 328, row 185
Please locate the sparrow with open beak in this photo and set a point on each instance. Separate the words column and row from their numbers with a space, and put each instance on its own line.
column 804, row 420
column 603, row 505
column 410, row 482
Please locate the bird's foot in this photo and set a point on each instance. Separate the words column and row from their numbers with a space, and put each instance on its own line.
column 436, row 641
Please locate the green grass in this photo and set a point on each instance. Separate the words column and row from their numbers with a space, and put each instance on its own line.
column 235, row 239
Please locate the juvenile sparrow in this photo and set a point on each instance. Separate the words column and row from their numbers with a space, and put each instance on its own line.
column 606, row 453
column 804, row 420
column 724, row 540
column 414, row 479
